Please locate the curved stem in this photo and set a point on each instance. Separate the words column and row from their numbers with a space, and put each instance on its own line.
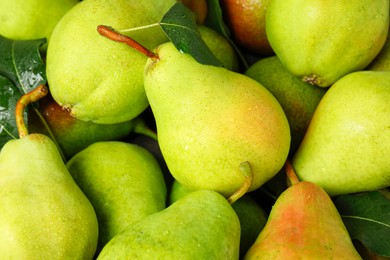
column 246, row 169
column 291, row 175
column 32, row 96
column 111, row 34
column 140, row 127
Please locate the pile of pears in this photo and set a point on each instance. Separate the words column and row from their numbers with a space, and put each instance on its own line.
column 140, row 151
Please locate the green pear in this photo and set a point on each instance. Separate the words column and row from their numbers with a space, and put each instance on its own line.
column 210, row 120
column 321, row 42
column 201, row 225
column 220, row 47
column 252, row 217
column 72, row 134
column 32, row 19
column 96, row 79
column 123, row 181
column 298, row 99
column 303, row 224
column 382, row 60
column 43, row 213
column 347, row 144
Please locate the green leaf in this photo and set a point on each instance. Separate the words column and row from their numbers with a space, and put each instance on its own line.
column 8, row 99
column 214, row 20
column 21, row 63
column 21, row 70
column 367, row 218
column 180, row 26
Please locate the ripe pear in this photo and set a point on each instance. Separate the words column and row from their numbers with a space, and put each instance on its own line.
column 303, row 224
column 210, row 120
column 246, row 21
column 298, row 99
column 43, row 213
column 123, row 181
column 201, row 225
column 321, row 42
column 32, row 19
column 96, row 79
column 72, row 134
column 347, row 144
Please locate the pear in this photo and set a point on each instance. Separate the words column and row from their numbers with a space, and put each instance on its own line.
column 96, row 79
column 382, row 60
column 303, row 224
column 32, row 19
column 43, row 213
column 123, row 182
column 321, row 42
column 72, row 134
column 210, row 120
column 246, row 21
column 220, row 47
column 201, row 225
column 347, row 144
column 298, row 99
column 251, row 215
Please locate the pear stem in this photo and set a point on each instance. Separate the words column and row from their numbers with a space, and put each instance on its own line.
column 291, row 175
column 32, row 96
column 246, row 169
column 111, row 34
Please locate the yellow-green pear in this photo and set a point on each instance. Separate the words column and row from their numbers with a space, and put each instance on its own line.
column 322, row 41
column 123, row 181
column 210, row 120
column 32, row 19
column 382, row 60
column 96, row 79
column 201, row 225
column 346, row 147
column 303, row 224
column 43, row 212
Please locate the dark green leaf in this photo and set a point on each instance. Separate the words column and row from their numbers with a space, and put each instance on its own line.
column 214, row 20
column 21, row 70
column 8, row 100
column 180, row 26
column 21, row 63
column 367, row 218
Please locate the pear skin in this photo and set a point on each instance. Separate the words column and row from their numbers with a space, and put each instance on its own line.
column 347, row 144
column 43, row 213
column 210, row 120
column 123, row 181
column 303, row 224
column 201, row 225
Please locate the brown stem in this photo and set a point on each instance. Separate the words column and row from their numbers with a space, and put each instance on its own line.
column 32, row 96
column 111, row 34
column 291, row 175
column 246, row 170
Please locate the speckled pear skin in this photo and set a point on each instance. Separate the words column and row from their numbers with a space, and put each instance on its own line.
column 347, row 144
column 201, row 225
column 98, row 79
column 123, row 181
column 42, row 210
column 210, row 119
column 321, row 42
column 303, row 224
